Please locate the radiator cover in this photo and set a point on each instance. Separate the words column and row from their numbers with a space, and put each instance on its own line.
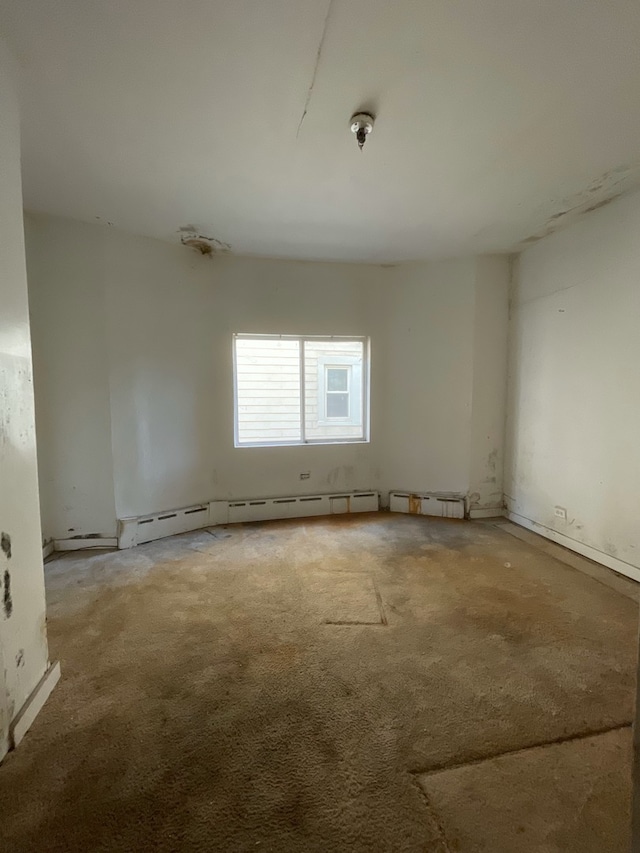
column 439, row 504
column 140, row 529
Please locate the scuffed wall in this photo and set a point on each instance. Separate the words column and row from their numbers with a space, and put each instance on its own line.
column 23, row 640
column 574, row 388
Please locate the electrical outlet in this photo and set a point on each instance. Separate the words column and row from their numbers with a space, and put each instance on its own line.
column 305, row 475
column 561, row 512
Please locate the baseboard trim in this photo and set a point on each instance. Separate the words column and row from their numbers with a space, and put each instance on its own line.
column 83, row 544
column 32, row 707
column 487, row 512
column 607, row 560
column 48, row 549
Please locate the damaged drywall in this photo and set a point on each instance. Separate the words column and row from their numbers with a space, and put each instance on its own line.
column 22, row 599
column 5, row 545
column 196, row 238
column 315, row 68
column 7, row 600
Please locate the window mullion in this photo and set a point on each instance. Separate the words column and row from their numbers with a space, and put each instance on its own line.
column 303, row 418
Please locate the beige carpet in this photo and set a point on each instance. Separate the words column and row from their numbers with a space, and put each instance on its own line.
column 374, row 683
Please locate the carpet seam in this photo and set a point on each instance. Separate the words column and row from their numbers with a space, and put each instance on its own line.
column 444, row 768
column 383, row 615
column 433, row 815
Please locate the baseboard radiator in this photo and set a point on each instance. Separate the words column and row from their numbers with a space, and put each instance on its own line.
column 140, row 529
column 440, row 504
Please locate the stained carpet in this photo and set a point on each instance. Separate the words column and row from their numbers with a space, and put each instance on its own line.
column 371, row 683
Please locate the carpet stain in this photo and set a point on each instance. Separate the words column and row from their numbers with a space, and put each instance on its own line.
column 207, row 706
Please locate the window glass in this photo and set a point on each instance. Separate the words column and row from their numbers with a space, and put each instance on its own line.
column 295, row 390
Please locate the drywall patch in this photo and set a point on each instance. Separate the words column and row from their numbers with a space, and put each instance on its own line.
column 195, row 237
column 5, row 544
column 7, row 600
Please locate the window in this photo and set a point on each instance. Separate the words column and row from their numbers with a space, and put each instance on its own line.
column 294, row 390
column 339, row 389
column 337, row 393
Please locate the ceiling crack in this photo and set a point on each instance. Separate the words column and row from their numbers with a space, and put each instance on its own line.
column 315, row 67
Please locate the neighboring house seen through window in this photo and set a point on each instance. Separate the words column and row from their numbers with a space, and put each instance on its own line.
column 300, row 390
column 337, row 392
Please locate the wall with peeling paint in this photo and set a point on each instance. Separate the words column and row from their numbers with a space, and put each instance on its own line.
column 23, row 642
column 154, row 372
column 496, row 121
column 574, row 391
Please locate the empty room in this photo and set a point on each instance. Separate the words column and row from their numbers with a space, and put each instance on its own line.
column 319, row 417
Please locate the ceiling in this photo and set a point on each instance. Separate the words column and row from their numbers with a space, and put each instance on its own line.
column 497, row 121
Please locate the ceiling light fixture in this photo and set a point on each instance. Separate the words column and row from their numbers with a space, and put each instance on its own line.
column 361, row 125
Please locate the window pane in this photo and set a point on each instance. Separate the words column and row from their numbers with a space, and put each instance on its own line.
column 269, row 395
column 268, row 390
column 337, row 379
column 333, row 386
column 337, row 405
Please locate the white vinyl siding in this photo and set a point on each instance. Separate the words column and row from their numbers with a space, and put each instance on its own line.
column 278, row 378
column 267, row 390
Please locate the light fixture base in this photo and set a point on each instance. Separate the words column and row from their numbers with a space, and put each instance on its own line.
column 361, row 124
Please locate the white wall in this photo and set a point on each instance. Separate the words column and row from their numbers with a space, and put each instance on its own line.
column 71, row 380
column 445, row 332
column 23, row 643
column 491, row 321
column 171, row 380
column 574, row 386
column 163, row 357
column 427, row 370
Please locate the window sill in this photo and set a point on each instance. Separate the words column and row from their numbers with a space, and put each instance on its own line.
column 319, row 443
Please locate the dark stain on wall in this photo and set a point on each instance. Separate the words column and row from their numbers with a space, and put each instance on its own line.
column 5, row 544
column 599, row 193
column 7, row 601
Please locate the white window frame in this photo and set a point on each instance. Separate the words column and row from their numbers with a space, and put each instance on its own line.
column 359, row 418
